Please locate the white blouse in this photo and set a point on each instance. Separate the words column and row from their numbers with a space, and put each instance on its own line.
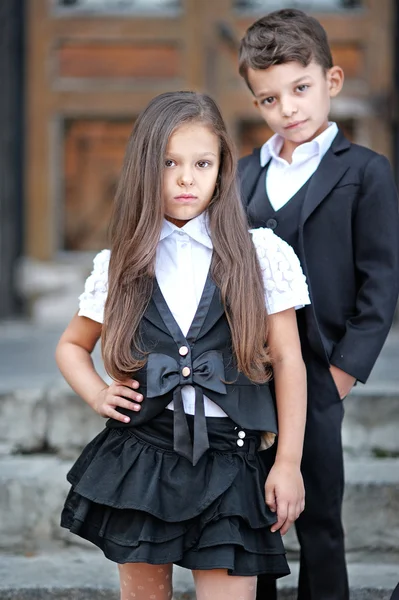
column 181, row 267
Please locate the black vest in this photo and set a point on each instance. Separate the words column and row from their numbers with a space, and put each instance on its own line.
column 203, row 359
column 285, row 221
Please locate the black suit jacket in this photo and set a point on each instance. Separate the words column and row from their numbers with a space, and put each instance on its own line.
column 348, row 244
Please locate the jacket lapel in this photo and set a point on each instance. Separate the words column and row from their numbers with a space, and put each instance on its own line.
column 249, row 172
column 330, row 171
column 214, row 311
column 152, row 315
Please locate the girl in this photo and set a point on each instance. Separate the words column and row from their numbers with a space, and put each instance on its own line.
column 180, row 303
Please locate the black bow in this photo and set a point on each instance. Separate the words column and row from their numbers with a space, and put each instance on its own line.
column 164, row 374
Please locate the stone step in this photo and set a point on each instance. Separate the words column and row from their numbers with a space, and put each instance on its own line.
column 55, row 418
column 72, row 574
column 38, row 420
column 370, row 508
column 33, row 489
column 50, row 289
column 371, row 421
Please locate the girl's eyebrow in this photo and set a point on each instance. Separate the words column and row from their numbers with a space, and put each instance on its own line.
column 198, row 154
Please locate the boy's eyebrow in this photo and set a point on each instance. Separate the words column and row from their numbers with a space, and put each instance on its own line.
column 301, row 78
column 296, row 81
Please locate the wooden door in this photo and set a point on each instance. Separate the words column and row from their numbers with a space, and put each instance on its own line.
column 92, row 65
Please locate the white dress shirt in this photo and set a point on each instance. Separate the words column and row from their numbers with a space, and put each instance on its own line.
column 284, row 180
column 182, row 263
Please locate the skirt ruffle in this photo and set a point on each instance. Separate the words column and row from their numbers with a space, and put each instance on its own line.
column 139, row 501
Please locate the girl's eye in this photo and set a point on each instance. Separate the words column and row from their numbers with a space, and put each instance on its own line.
column 203, row 164
column 169, row 162
column 268, row 100
column 303, row 87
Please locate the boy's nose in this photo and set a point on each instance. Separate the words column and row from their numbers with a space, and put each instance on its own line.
column 287, row 110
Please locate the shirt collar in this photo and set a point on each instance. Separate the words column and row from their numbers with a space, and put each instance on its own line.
column 318, row 146
column 197, row 229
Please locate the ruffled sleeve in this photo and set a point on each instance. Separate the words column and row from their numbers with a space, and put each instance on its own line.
column 284, row 282
column 92, row 301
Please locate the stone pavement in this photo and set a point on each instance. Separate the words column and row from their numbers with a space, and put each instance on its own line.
column 43, row 425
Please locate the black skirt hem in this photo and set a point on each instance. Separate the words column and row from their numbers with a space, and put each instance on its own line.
column 142, row 503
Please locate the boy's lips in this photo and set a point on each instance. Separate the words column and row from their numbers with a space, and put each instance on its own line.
column 295, row 124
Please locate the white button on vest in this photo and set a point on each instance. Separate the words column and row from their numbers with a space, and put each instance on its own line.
column 186, row 371
column 240, row 442
column 241, row 434
column 183, row 351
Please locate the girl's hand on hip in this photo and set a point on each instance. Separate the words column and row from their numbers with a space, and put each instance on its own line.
column 285, row 494
column 118, row 394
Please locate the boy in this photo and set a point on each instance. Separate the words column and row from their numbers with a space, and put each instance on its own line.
column 336, row 204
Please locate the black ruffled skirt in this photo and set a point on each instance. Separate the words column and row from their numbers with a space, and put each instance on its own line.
column 139, row 501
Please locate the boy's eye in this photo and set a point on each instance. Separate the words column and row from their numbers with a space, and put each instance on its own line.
column 169, row 162
column 268, row 100
column 303, row 87
column 203, row 164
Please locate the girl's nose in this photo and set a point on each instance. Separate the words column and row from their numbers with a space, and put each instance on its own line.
column 186, row 179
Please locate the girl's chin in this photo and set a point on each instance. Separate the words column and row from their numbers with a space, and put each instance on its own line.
column 184, row 215
column 180, row 220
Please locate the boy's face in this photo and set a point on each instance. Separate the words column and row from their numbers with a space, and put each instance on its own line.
column 295, row 100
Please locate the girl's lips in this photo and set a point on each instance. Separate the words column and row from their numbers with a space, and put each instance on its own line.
column 185, row 197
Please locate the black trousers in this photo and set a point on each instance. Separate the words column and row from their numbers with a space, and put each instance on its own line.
column 322, row 574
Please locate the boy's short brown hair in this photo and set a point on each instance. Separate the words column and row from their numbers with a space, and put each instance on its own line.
column 284, row 36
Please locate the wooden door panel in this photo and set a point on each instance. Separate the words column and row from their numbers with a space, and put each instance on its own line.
column 94, row 151
column 116, row 60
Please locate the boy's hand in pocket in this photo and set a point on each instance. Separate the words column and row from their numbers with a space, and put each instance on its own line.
column 343, row 381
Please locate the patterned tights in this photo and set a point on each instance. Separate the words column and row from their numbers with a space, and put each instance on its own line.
column 140, row 581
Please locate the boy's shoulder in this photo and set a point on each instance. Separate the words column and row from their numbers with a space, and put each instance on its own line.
column 358, row 155
column 362, row 154
column 249, row 159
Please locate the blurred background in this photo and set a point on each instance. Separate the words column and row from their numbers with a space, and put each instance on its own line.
column 74, row 76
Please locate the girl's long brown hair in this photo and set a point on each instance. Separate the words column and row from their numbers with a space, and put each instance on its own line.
column 135, row 231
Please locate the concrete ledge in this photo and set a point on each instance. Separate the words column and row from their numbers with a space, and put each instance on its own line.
column 371, row 420
column 371, row 506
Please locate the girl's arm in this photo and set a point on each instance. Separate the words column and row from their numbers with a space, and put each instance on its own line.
column 284, row 486
column 73, row 356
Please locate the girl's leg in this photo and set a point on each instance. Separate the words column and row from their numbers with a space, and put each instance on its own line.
column 218, row 585
column 140, row 581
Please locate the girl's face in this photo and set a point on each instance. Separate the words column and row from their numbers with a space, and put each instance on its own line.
column 191, row 169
